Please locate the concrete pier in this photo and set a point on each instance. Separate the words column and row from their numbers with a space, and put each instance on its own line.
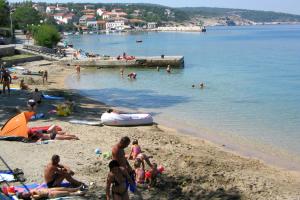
column 109, row 62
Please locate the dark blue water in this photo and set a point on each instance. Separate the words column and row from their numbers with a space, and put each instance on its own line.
column 252, row 78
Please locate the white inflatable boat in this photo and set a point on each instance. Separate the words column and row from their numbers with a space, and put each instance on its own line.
column 115, row 119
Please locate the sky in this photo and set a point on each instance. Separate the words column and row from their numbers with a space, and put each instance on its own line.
column 288, row 6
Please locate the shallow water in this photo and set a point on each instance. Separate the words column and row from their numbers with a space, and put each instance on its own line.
column 252, row 78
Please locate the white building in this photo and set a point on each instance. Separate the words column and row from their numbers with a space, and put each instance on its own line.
column 92, row 25
column 64, row 18
column 152, row 25
column 115, row 25
column 100, row 11
column 58, row 17
column 50, row 9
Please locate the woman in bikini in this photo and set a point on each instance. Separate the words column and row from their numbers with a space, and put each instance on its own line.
column 51, row 134
column 116, row 182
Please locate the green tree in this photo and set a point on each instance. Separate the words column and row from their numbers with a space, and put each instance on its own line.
column 47, row 36
column 4, row 13
column 26, row 15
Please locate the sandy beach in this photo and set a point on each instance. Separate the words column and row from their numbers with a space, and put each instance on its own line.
column 194, row 168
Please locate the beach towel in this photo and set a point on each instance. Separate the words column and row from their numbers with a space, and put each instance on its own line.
column 4, row 197
column 7, row 177
column 38, row 116
column 34, row 186
column 50, row 97
column 86, row 122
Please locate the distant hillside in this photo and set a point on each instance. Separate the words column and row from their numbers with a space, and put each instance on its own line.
column 252, row 15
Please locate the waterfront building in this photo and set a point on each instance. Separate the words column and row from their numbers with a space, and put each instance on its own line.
column 115, row 25
column 151, row 25
column 101, row 24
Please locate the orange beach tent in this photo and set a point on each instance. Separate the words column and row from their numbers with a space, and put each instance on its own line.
column 16, row 127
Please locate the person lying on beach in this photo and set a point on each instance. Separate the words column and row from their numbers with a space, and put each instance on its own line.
column 118, row 153
column 151, row 175
column 136, row 153
column 55, row 174
column 23, row 86
column 113, row 111
column 51, row 134
column 51, row 193
column 116, row 182
column 139, row 172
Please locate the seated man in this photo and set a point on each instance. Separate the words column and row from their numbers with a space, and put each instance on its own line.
column 56, row 173
column 23, row 86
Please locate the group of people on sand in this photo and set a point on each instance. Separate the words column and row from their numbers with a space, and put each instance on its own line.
column 54, row 175
column 122, row 174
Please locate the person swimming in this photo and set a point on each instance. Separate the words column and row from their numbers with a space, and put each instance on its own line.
column 132, row 75
column 201, row 85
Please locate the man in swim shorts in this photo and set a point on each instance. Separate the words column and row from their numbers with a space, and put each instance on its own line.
column 118, row 153
column 56, row 173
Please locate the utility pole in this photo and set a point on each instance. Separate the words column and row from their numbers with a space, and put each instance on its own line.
column 11, row 24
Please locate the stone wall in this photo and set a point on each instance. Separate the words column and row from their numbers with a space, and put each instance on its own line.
column 7, row 50
column 23, row 60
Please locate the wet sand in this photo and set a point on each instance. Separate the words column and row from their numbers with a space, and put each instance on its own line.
column 194, row 168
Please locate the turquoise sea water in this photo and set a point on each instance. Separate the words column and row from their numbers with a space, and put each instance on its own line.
column 252, row 77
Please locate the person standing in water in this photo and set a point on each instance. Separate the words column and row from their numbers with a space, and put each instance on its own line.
column 157, row 68
column 122, row 71
column 78, row 69
column 169, row 69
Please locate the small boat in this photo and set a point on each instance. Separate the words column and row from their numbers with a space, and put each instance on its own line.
column 139, row 41
column 115, row 119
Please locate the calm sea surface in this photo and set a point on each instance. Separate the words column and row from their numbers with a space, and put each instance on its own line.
column 252, row 77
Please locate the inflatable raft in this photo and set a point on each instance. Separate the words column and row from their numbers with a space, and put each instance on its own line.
column 115, row 119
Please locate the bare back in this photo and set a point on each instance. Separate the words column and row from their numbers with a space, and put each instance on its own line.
column 50, row 172
column 118, row 154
